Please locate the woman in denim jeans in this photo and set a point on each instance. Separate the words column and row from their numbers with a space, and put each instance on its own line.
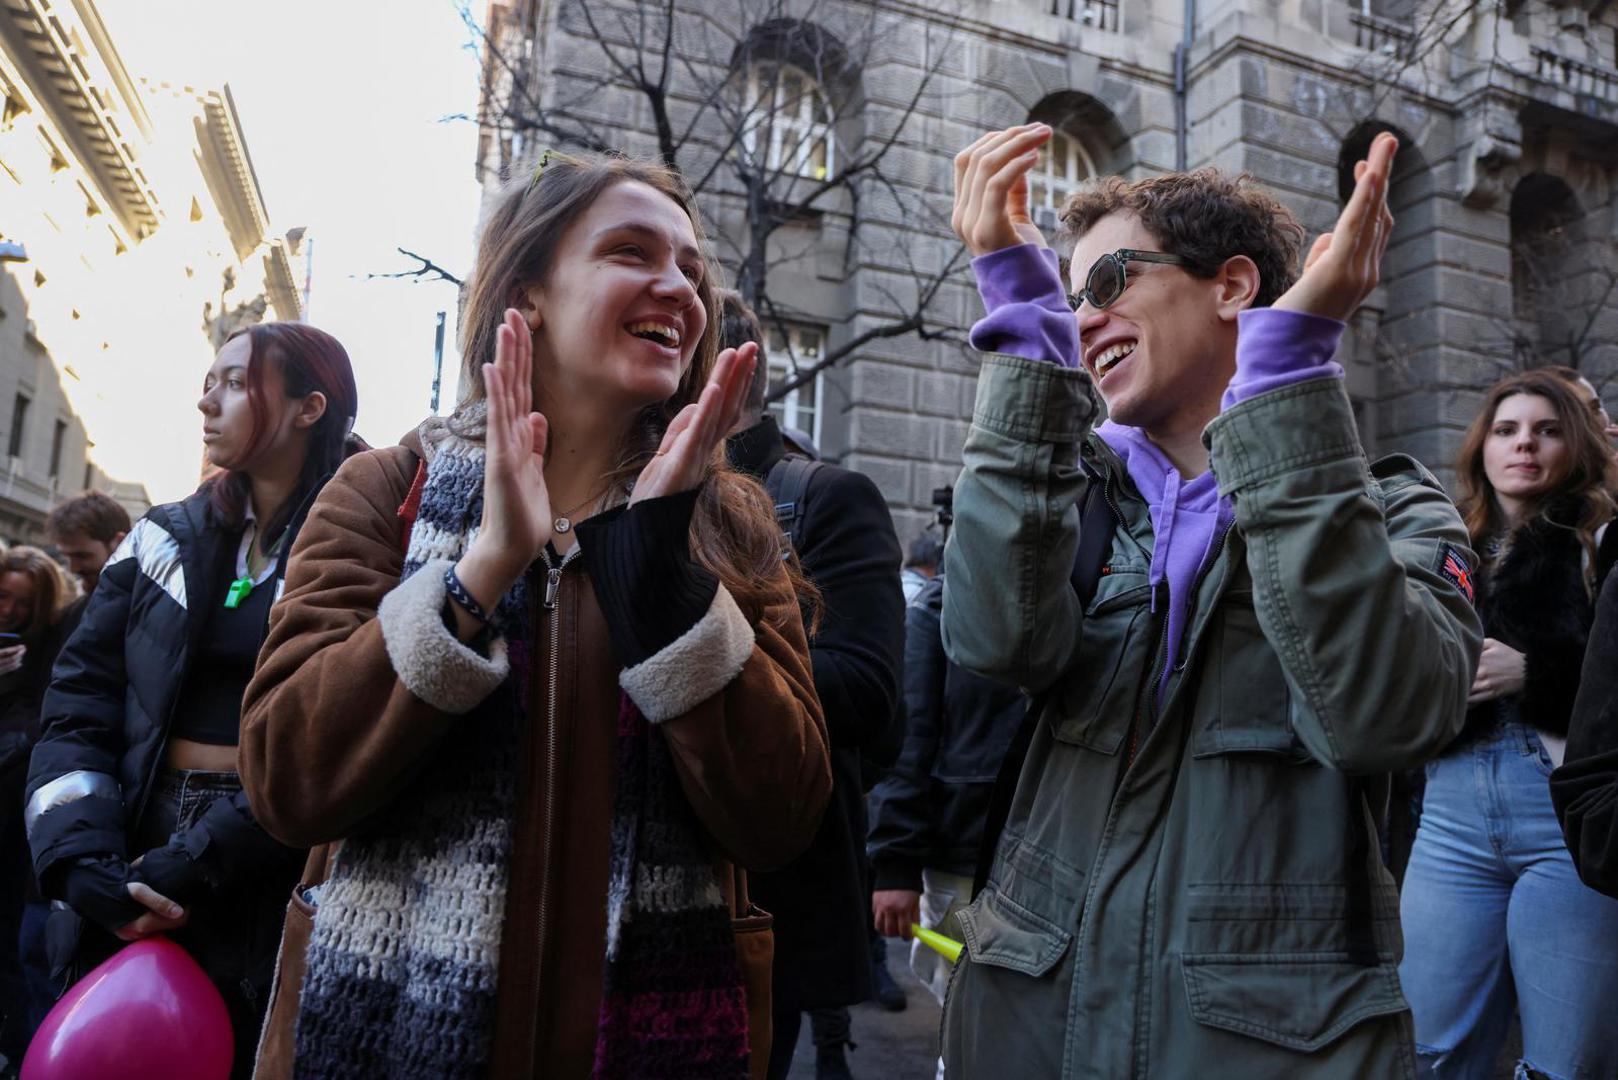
column 135, row 813
column 1494, row 914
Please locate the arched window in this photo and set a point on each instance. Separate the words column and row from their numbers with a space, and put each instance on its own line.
column 790, row 128
column 1064, row 164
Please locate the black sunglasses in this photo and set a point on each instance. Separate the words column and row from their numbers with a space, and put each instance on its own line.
column 1108, row 276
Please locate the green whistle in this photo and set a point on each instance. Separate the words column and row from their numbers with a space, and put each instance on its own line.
column 239, row 589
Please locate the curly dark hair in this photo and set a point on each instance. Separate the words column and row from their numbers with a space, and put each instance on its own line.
column 1205, row 217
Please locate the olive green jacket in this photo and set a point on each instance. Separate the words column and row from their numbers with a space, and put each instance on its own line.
column 1196, row 890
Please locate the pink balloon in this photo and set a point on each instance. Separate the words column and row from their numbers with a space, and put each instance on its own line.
column 149, row 1011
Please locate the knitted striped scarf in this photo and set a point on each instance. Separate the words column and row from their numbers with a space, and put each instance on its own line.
column 403, row 963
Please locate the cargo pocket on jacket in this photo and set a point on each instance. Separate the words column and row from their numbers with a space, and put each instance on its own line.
column 1002, row 933
column 1300, row 1001
column 1254, row 703
column 1096, row 700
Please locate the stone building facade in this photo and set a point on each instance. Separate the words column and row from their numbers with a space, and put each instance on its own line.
column 1502, row 254
column 132, row 238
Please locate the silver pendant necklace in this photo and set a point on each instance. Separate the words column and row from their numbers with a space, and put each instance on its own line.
column 564, row 522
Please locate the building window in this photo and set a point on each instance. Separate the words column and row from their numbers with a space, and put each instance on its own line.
column 1063, row 167
column 1101, row 14
column 87, row 467
column 58, row 437
column 789, row 353
column 19, row 420
column 789, row 126
column 1398, row 10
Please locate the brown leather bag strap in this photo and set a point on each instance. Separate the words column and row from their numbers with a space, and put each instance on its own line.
column 740, row 903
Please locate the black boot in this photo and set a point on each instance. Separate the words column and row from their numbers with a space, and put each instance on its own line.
column 888, row 993
column 829, row 1029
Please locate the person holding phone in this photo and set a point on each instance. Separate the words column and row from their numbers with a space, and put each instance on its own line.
column 135, row 812
column 39, row 607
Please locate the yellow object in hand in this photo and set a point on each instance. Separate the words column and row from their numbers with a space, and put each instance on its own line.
column 947, row 947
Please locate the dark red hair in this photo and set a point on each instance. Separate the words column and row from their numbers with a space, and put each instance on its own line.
column 308, row 360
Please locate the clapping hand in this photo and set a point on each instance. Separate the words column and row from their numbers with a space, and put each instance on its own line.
column 991, row 189
column 516, row 504
column 688, row 446
column 1343, row 265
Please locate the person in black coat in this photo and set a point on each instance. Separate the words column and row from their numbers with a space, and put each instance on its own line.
column 849, row 550
column 134, row 814
column 927, row 815
column 39, row 607
column 1585, row 787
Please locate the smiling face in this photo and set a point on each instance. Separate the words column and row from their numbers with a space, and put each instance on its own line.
column 619, row 315
column 1526, row 452
column 16, row 602
column 1165, row 350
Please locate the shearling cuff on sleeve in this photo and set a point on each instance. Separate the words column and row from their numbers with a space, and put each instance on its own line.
column 695, row 666
column 431, row 662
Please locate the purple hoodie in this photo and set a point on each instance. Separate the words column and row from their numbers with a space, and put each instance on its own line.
column 1028, row 317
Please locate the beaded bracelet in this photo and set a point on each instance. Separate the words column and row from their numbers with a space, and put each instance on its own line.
column 463, row 596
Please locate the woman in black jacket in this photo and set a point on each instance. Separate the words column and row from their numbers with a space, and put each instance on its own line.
column 1585, row 788
column 1494, row 913
column 39, row 606
column 134, row 810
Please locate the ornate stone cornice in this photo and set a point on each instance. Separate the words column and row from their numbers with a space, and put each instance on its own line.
column 77, row 86
column 229, row 170
column 280, row 282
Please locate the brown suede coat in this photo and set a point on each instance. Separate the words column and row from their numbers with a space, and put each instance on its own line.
column 330, row 735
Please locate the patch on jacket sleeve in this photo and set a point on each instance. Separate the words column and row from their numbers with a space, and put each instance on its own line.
column 1453, row 568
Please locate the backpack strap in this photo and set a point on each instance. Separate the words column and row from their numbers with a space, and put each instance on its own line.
column 788, row 484
column 1097, row 524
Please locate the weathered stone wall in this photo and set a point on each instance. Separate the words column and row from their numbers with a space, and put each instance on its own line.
column 1289, row 90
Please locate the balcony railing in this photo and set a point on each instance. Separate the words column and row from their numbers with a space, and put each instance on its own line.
column 1379, row 34
column 1575, row 76
column 1101, row 14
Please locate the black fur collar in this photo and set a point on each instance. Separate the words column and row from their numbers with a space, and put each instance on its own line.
column 1534, row 600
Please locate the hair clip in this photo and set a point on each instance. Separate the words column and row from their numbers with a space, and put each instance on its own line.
column 544, row 160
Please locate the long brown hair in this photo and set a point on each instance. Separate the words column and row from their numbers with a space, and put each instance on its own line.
column 53, row 589
column 734, row 533
column 1587, row 477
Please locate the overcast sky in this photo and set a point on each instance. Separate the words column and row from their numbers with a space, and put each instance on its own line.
column 343, row 104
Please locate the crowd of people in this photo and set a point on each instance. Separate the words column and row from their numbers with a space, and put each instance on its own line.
column 602, row 729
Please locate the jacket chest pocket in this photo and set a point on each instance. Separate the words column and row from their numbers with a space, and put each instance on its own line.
column 1252, row 702
column 1095, row 701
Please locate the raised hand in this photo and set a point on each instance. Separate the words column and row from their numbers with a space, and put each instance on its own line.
column 1343, row 265
column 688, row 446
column 516, row 505
column 991, row 189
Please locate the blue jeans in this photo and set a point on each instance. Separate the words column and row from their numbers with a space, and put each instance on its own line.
column 1495, row 915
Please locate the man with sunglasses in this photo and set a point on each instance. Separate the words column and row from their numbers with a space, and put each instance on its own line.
column 1187, row 882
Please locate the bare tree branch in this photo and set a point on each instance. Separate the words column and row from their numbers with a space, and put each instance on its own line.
column 761, row 143
column 427, row 271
